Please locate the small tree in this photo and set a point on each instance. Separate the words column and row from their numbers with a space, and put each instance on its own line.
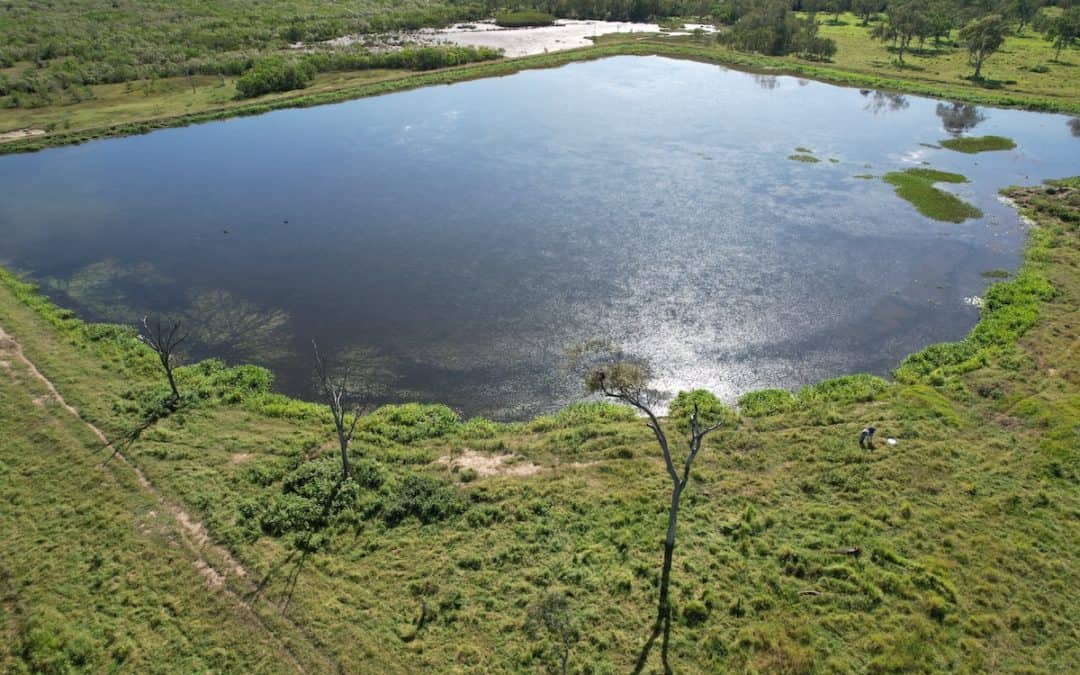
column 1023, row 11
column 1063, row 30
column 865, row 9
column 551, row 617
column 698, row 414
column 164, row 341
column 983, row 37
column 904, row 22
column 334, row 388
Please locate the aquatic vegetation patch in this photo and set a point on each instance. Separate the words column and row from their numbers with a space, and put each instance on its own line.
column 864, row 176
column 523, row 18
column 809, row 159
column 973, row 144
column 917, row 187
column 802, row 150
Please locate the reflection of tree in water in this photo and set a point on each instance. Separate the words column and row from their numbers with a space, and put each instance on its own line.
column 1074, row 126
column 959, row 117
column 220, row 324
column 113, row 291
column 883, row 101
column 370, row 373
column 235, row 329
column 768, row 82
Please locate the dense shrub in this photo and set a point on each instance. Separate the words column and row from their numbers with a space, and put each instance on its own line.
column 409, row 422
column 523, row 18
column 847, row 389
column 274, row 74
column 710, row 409
column 766, row 402
column 425, row 498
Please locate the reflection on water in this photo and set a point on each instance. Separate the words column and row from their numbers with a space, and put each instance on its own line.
column 959, row 118
column 451, row 241
column 883, row 101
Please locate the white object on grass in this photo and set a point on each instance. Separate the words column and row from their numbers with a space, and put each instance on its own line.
column 890, row 441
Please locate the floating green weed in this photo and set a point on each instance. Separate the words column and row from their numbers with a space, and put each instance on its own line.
column 917, row 187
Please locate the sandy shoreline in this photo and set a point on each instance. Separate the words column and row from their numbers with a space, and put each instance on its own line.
column 565, row 34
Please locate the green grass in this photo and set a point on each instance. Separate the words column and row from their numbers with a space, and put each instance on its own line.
column 974, row 144
column 967, row 527
column 917, row 187
column 809, row 159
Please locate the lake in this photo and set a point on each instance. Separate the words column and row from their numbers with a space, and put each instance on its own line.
column 453, row 240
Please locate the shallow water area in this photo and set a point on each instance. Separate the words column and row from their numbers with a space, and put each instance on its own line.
column 451, row 241
column 514, row 42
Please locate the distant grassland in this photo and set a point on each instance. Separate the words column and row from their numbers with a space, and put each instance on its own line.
column 966, row 529
column 1023, row 75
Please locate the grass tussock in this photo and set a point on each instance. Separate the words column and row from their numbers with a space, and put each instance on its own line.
column 917, row 187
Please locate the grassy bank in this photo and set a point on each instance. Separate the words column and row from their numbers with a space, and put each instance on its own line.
column 123, row 109
column 967, row 529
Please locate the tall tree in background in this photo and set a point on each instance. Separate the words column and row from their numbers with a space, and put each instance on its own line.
column 866, row 9
column 983, row 37
column 905, row 21
column 1023, row 11
column 1063, row 31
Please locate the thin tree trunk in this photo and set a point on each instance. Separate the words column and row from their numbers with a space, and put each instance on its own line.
column 172, row 381
column 344, row 452
column 664, row 610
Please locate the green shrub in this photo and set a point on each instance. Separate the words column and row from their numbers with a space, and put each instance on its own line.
column 273, row 74
column 592, row 412
column 409, row 422
column 425, row 498
column 523, row 18
column 695, row 612
column 710, row 409
column 846, row 389
column 766, row 402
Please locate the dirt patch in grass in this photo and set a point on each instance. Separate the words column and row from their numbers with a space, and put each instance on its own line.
column 489, row 465
column 20, row 133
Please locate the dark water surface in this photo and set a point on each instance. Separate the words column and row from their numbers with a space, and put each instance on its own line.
column 456, row 238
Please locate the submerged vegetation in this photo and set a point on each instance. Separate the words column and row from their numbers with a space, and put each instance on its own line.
column 953, row 549
column 973, row 144
column 809, row 159
column 917, row 187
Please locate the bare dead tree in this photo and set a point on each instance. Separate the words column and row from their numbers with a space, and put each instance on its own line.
column 334, row 388
column 627, row 381
column 164, row 341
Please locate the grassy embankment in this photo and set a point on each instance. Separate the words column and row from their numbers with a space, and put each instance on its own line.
column 968, row 528
column 1024, row 75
